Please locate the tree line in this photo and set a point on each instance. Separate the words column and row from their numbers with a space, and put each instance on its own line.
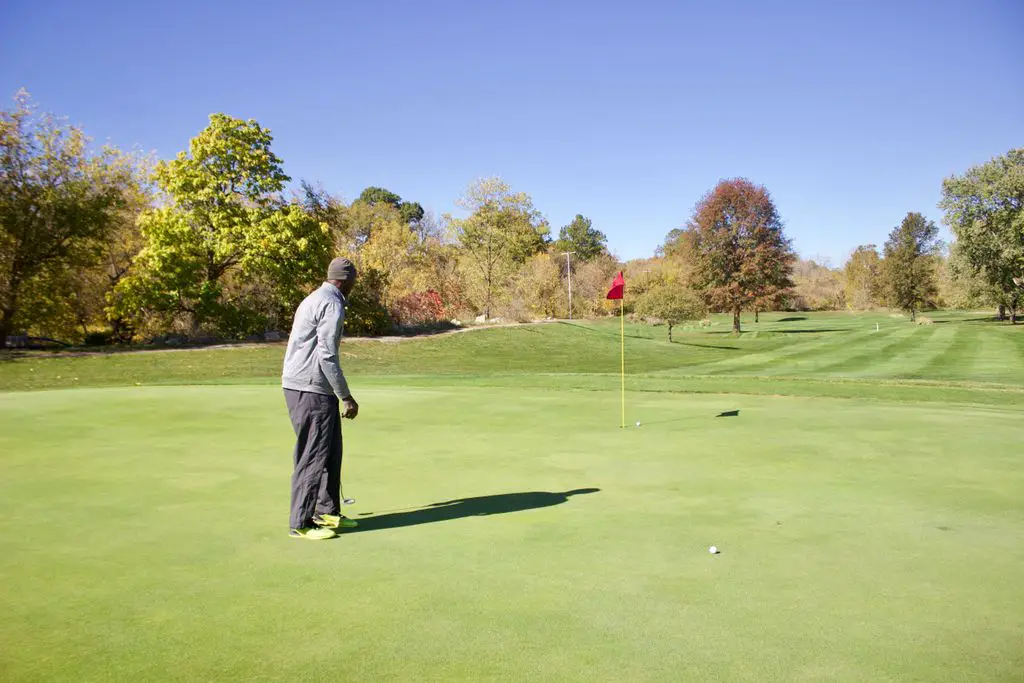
column 103, row 246
column 733, row 253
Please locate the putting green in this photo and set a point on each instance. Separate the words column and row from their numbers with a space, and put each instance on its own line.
column 144, row 537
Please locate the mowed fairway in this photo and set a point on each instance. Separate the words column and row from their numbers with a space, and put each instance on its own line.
column 867, row 495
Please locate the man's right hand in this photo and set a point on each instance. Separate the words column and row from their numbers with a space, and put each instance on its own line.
column 351, row 408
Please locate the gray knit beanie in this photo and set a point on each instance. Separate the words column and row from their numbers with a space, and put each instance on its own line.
column 341, row 269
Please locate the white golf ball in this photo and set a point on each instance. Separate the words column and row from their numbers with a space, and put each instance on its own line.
column 713, row 550
column 638, row 424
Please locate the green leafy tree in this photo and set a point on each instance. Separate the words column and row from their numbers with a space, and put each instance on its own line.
column 862, row 278
column 411, row 212
column 959, row 287
column 71, row 301
column 326, row 209
column 502, row 231
column 581, row 237
column 391, row 250
column 985, row 210
column 909, row 264
column 59, row 206
column 224, row 224
column 366, row 313
column 677, row 239
column 67, row 299
column 378, row 195
column 671, row 303
column 741, row 257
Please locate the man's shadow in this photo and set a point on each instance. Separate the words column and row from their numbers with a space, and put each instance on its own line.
column 479, row 506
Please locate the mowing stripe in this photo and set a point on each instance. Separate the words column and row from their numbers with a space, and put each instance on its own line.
column 822, row 362
column 1016, row 337
column 753, row 362
column 955, row 361
column 912, row 361
column 815, row 358
column 995, row 357
column 871, row 355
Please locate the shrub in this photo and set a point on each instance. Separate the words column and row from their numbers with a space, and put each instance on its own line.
column 418, row 308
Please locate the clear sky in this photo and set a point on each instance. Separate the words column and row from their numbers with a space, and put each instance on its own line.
column 851, row 113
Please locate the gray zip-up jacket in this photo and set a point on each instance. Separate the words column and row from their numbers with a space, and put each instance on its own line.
column 311, row 361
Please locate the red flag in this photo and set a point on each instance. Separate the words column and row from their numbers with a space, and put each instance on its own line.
column 618, row 287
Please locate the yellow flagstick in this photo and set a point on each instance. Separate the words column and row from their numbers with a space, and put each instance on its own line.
column 622, row 326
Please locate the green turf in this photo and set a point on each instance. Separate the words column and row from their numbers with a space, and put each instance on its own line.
column 957, row 349
column 867, row 499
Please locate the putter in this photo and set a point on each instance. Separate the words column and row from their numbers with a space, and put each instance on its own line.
column 344, row 500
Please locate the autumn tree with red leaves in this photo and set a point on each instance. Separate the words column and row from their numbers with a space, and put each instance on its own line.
column 741, row 258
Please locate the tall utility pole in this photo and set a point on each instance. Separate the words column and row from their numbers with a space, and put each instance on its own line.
column 568, row 271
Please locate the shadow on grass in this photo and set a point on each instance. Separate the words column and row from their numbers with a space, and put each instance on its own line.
column 710, row 346
column 791, row 320
column 480, row 506
column 751, row 330
column 816, row 331
column 615, row 334
column 994, row 319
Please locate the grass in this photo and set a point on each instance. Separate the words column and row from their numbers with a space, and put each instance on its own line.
column 867, row 500
column 960, row 358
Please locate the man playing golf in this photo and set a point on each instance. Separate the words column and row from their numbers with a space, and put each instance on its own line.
column 313, row 386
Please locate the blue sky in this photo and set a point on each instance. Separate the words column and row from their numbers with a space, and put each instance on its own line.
column 850, row 113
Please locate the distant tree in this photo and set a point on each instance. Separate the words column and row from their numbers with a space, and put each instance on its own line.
column 672, row 303
column 321, row 206
column 678, row 240
column 391, row 250
column 816, row 287
column 774, row 281
column 644, row 273
column 428, row 228
column 580, row 236
column 741, row 258
column 985, row 210
column 95, row 294
column 538, row 290
column 437, row 268
column 675, row 256
column 223, row 229
column 366, row 313
column 411, row 212
column 862, row 278
column 68, row 300
column 60, row 206
column 590, row 285
column 501, row 232
column 957, row 287
column 378, row 195
column 909, row 264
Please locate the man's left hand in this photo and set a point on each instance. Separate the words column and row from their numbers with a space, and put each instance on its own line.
column 351, row 408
